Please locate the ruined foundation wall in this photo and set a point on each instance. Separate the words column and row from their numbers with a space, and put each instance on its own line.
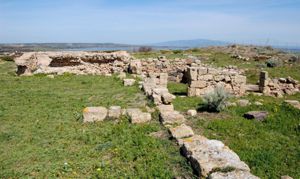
column 72, row 62
column 277, row 87
column 203, row 80
column 99, row 64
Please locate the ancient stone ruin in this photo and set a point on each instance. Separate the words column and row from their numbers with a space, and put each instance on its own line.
column 72, row 62
column 277, row 87
column 203, row 80
column 207, row 157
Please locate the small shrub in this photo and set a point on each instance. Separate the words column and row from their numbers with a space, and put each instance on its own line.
column 273, row 62
column 7, row 58
column 195, row 50
column 165, row 51
column 177, row 51
column 215, row 101
column 145, row 49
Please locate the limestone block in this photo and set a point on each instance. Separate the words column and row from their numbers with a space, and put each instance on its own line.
column 192, row 91
column 208, row 155
column 114, row 112
column 135, row 67
column 167, row 98
column 256, row 115
column 198, row 84
column 172, row 117
column 192, row 73
column 202, row 71
column 192, row 112
column 129, row 82
column 207, row 77
column 93, row 114
column 165, row 108
column 182, row 131
column 219, row 77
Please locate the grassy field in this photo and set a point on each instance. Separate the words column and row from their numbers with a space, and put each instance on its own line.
column 41, row 135
column 270, row 148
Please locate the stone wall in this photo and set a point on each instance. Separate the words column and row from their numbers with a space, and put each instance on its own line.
column 72, row 62
column 99, row 64
column 278, row 86
column 204, row 80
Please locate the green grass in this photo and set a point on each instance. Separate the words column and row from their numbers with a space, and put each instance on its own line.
column 183, row 103
column 270, row 148
column 42, row 136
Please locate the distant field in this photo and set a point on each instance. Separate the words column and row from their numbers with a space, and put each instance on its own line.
column 41, row 135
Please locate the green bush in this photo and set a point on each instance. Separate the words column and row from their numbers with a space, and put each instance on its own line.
column 273, row 62
column 177, row 51
column 7, row 58
column 216, row 100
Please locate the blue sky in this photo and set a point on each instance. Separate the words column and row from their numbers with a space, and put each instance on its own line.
column 149, row 21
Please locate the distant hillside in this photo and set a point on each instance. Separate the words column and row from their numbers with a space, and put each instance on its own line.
column 63, row 46
column 191, row 43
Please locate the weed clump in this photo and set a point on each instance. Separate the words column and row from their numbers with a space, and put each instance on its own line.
column 216, row 100
column 273, row 62
column 7, row 58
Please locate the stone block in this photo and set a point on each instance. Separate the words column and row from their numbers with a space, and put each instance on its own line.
column 171, row 117
column 129, row 82
column 137, row 116
column 135, row 67
column 191, row 91
column 94, row 114
column 257, row 115
column 140, row 118
column 202, row 71
column 240, row 79
column 243, row 102
column 198, row 84
column 192, row 112
column 219, row 77
column 114, row 112
column 167, row 98
column 165, row 108
column 192, row 73
column 208, row 77
column 182, row 131
column 206, row 155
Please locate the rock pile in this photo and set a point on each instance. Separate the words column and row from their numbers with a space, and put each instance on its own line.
column 155, row 87
column 204, row 80
column 277, row 87
column 72, row 62
column 100, row 63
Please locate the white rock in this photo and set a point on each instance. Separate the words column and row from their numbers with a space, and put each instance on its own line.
column 208, row 155
column 182, row 131
column 137, row 116
column 129, row 82
column 93, row 114
column 171, row 117
column 114, row 112
column 192, row 112
column 243, row 102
